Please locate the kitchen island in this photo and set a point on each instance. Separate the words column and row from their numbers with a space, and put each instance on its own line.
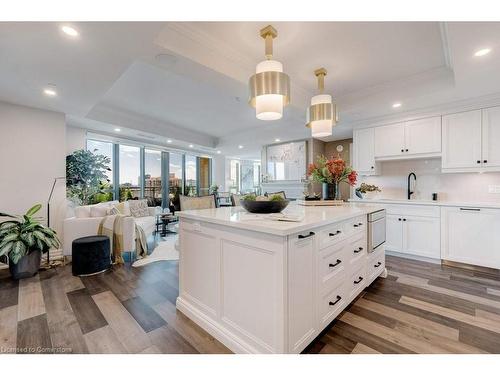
column 264, row 286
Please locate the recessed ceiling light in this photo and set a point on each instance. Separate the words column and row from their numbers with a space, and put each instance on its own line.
column 191, row 146
column 396, row 105
column 240, row 146
column 277, row 140
column 218, row 151
column 50, row 91
column 118, row 130
column 482, row 52
column 169, row 141
column 69, row 31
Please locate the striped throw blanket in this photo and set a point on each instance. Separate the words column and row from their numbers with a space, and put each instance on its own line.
column 112, row 227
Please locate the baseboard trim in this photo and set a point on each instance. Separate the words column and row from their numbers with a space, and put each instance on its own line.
column 471, row 267
column 414, row 257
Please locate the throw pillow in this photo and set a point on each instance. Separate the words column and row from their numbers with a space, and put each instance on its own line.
column 98, row 210
column 114, row 211
column 139, row 208
column 124, row 208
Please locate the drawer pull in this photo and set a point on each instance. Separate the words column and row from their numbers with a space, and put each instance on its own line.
column 335, row 264
column 469, row 209
column 306, row 235
column 337, row 301
column 355, row 225
column 377, row 265
column 334, row 234
column 360, row 224
column 358, row 280
column 360, row 249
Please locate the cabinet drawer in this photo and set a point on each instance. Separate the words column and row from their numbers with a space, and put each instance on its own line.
column 412, row 210
column 354, row 226
column 356, row 250
column 332, row 303
column 356, row 282
column 375, row 265
column 332, row 264
column 331, row 235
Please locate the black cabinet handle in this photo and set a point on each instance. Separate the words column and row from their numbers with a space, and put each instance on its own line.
column 336, row 301
column 402, row 150
column 399, row 219
column 306, row 235
column 360, row 249
column 469, row 209
column 355, row 225
column 485, row 161
column 478, row 162
column 334, row 234
column 406, row 150
column 377, row 265
column 359, row 280
column 404, row 219
column 335, row 264
column 372, row 167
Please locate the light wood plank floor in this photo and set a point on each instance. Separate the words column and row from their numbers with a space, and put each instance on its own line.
column 420, row 308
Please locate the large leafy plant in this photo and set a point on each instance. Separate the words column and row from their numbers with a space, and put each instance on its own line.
column 25, row 234
column 86, row 176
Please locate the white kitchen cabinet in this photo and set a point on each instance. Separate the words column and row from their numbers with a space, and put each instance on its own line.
column 413, row 230
column 394, row 233
column 421, row 236
column 491, row 138
column 471, row 236
column 461, row 142
column 390, row 140
column 364, row 152
column 411, row 139
column 423, row 136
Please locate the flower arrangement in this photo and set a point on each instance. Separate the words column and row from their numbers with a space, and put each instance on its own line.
column 331, row 171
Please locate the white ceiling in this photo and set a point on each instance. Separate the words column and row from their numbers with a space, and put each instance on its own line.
column 188, row 81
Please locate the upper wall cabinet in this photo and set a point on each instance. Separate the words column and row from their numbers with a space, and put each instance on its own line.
column 490, row 145
column 364, row 152
column 408, row 140
column 471, row 141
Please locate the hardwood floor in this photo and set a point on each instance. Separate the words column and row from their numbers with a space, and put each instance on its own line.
column 420, row 308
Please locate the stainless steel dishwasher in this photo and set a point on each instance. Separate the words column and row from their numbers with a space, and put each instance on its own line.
column 376, row 230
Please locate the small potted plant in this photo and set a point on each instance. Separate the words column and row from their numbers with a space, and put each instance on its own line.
column 368, row 190
column 23, row 240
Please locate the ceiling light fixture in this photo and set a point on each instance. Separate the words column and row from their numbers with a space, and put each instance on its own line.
column 277, row 140
column 218, row 151
column 169, row 141
column 240, row 147
column 482, row 52
column 69, row 31
column 191, row 146
column 50, row 90
column 269, row 86
column 118, row 130
column 396, row 105
column 322, row 114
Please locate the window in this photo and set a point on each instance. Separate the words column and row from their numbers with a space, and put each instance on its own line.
column 105, row 149
column 191, row 187
column 130, row 172
column 152, row 177
column 175, row 183
column 234, row 176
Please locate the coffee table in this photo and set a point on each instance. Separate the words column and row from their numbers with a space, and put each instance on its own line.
column 164, row 220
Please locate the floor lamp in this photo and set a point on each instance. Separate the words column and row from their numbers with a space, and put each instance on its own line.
column 48, row 211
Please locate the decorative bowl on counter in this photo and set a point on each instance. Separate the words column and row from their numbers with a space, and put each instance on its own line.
column 264, row 207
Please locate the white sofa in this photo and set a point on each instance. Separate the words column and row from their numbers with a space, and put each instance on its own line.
column 85, row 220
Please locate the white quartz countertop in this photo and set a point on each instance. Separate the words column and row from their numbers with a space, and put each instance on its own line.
column 312, row 217
column 427, row 203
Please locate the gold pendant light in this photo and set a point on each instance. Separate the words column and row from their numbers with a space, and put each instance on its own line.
column 269, row 87
column 322, row 114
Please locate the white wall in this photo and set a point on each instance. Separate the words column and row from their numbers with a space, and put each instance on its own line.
column 32, row 154
column 472, row 187
column 75, row 139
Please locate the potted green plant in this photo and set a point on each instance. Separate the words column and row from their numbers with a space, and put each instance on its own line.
column 23, row 240
column 367, row 189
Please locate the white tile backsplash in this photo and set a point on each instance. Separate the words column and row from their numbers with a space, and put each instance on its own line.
column 472, row 187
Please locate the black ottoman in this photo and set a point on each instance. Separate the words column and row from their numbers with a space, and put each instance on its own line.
column 90, row 255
